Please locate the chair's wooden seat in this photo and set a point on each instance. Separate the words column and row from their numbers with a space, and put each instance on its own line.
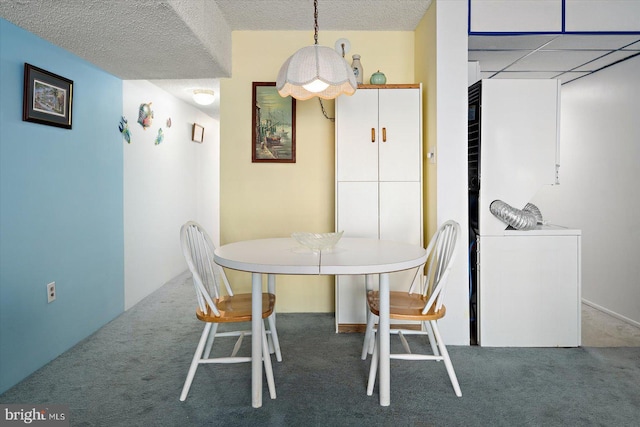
column 237, row 308
column 404, row 306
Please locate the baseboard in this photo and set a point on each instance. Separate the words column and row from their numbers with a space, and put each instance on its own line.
column 611, row 313
column 349, row 328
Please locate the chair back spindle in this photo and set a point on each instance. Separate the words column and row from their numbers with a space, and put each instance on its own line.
column 440, row 253
column 198, row 250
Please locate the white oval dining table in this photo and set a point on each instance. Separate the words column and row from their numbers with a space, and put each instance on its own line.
column 350, row 256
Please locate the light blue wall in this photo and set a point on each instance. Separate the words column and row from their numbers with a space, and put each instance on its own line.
column 61, row 209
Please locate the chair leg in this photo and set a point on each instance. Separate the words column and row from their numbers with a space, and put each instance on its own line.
column 432, row 339
column 447, row 360
column 404, row 342
column 373, row 369
column 368, row 336
column 212, row 336
column 274, row 336
column 272, row 348
column 195, row 361
column 268, row 369
column 274, row 343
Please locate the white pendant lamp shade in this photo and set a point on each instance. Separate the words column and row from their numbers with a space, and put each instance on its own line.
column 316, row 71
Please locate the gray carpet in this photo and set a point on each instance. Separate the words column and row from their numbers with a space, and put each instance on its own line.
column 130, row 373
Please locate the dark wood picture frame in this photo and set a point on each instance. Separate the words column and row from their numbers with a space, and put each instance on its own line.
column 47, row 98
column 273, row 125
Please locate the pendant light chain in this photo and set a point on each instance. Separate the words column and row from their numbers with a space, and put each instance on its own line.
column 315, row 20
column 324, row 112
column 315, row 37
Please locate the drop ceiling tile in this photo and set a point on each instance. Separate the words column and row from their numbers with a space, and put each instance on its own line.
column 635, row 46
column 606, row 60
column 591, row 42
column 527, row 42
column 523, row 56
column 496, row 60
column 559, row 60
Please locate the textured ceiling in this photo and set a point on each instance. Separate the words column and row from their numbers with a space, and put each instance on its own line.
column 354, row 15
column 181, row 44
column 133, row 39
column 189, row 39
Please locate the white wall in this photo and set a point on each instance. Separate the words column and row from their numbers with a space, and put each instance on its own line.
column 165, row 185
column 599, row 191
column 451, row 152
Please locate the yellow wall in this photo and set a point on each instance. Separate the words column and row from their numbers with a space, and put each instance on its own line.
column 425, row 54
column 274, row 200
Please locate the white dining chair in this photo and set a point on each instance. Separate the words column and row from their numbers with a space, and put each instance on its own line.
column 215, row 308
column 423, row 305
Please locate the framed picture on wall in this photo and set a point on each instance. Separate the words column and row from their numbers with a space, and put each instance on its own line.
column 273, row 125
column 197, row 133
column 47, row 98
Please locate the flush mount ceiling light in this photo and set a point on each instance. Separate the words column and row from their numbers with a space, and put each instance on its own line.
column 203, row 96
column 316, row 71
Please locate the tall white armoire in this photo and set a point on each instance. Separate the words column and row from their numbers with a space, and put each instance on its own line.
column 378, row 181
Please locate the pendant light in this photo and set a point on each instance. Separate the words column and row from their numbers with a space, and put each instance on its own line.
column 316, row 71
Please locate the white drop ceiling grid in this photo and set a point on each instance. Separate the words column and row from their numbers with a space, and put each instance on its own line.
column 555, row 56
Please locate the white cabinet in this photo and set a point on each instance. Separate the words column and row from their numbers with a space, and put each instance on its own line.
column 378, row 180
column 378, row 135
column 529, row 288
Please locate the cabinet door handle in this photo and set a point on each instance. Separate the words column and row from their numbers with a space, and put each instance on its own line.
column 384, row 134
column 373, row 135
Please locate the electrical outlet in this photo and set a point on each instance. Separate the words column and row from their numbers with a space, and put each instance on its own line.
column 51, row 292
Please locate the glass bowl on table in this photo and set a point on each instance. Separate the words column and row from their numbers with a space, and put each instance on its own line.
column 317, row 241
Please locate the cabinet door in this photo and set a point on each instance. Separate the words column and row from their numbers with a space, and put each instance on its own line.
column 357, row 206
column 357, row 215
column 400, row 211
column 351, row 300
column 401, row 219
column 357, row 154
column 529, row 291
column 399, row 130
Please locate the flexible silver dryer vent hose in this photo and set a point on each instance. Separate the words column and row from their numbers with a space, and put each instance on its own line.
column 520, row 219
